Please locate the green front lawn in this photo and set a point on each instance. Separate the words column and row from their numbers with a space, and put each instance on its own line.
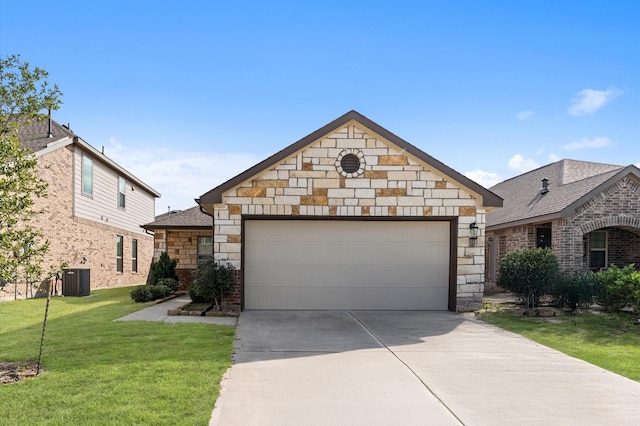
column 98, row 371
column 610, row 341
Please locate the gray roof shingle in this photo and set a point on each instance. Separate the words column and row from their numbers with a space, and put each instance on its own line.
column 189, row 218
column 569, row 181
column 34, row 134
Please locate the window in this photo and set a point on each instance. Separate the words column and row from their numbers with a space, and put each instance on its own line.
column 598, row 250
column 134, row 255
column 119, row 244
column 122, row 184
column 87, row 175
column 543, row 237
column 205, row 247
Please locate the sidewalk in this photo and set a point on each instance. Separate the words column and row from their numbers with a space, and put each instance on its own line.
column 158, row 312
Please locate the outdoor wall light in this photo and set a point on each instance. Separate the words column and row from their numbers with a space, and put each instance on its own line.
column 474, row 232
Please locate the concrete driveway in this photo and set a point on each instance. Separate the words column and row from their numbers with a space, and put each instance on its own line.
column 410, row 368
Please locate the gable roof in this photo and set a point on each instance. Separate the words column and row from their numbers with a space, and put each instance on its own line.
column 190, row 218
column 34, row 134
column 34, row 137
column 571, row 183
column 214, row 196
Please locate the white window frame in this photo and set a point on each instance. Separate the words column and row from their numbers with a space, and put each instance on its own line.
column 600, row 249
column 209, row 245
column 87, row 171
column 119, row 253
column 122, row 192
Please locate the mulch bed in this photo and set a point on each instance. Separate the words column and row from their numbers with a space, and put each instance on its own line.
column 13, row 372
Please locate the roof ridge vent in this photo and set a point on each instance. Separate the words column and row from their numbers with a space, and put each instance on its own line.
column 545, row 186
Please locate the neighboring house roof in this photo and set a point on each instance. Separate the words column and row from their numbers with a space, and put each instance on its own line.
column 214, row 196
column 179, row 219
column 570, row 184
column 34, row 136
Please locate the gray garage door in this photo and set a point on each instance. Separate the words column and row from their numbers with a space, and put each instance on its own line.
column 318, row 264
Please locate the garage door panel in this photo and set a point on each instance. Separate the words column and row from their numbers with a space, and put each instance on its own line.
column 339, row 298
column 317, row 264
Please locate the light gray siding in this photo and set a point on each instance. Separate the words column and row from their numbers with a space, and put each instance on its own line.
column 102, row 206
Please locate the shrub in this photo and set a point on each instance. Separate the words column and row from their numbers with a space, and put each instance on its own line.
column 163, row 268
column 147, row 293
column 141, row 294
column 619, row 287
column 573, row 289
column 159, row 291
column 170, row 283
column 528, row 273
column 213, row 282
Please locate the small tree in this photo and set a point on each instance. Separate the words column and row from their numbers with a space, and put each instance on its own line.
column 213, row 282
column 24, row 96
column 163, row 268
column 528, row 273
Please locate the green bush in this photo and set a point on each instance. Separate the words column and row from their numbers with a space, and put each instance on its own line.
column 213, row 282
column 619, row 287
column 171, row 283
column 573, row 289
column 159, row 291
column 141, row 294
column 528, row 273
column 147, row 293
column 163, row 268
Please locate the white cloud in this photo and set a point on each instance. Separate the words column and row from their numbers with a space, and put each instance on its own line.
column 518, row 163
column 525, row 115
column 553, row 157
column 588, row 101
column 486, row 179
column 599, row 142
column 179, row 175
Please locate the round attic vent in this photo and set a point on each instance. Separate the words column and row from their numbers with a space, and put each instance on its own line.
column 350, row 163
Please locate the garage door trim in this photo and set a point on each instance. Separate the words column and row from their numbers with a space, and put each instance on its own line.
column 453, row 237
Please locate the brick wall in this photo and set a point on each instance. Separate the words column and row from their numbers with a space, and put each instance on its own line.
column 616, row 209
column 388, row 184
column 71, row 238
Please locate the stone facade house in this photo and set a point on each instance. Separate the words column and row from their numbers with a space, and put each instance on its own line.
column 352, row 217
column 94, row 208
column 186, row 236
column 588, row 213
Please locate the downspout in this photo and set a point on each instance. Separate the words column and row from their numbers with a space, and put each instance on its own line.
column 213, row 249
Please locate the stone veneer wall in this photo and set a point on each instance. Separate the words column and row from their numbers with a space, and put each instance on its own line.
column 390, row 184
column 70, row 238
column 616, row 207
column 181, row 245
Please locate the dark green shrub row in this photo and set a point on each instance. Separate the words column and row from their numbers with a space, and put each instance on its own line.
column 533, row 273
column 213, row 282
column 147, row 293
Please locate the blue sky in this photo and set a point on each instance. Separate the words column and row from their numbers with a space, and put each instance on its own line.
column 187, row 94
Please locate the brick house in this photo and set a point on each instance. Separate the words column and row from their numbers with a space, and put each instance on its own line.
column 186, row 236
column 94, row 208
column 588, row 213
column 352, row 217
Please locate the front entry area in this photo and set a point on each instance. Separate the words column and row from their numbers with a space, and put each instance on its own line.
column 347, row 264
